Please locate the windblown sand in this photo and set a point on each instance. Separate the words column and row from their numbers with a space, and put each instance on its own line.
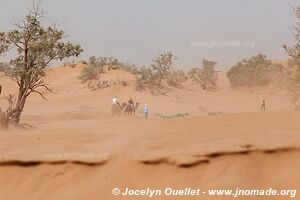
column 78, row 151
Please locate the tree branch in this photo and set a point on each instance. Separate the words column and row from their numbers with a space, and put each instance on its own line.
column 35, row 91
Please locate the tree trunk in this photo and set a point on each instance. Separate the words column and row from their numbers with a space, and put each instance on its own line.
column 23, row 89
column 15, row 118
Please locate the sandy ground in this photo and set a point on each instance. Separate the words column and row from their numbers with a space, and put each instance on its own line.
column 78, row 151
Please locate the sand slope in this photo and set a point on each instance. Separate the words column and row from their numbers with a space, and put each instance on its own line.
column 242, row 148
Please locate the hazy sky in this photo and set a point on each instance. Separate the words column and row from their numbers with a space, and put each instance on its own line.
column 136, row 30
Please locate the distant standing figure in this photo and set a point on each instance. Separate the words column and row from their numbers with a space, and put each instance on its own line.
column 146, row 111
column 115, row 101
column 263, row 105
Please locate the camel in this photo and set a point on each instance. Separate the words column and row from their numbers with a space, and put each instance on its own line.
column 131, row 108
column 116, row 109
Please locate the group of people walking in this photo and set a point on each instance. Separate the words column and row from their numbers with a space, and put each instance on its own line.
column 131, row 103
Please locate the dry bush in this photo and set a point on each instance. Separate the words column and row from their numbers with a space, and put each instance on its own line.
column 176, row 78
column 255, row 71
column 70, row 64
column 205, row 77
column 131, row 68
column 144, row 78
column 152, row 77
column 112, row 63
column 292, row 74
column 178, row 115
column 92, row 74
column 294, row 89
column 5, row 116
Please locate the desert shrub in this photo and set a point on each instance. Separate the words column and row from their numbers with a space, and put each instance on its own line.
column 176, row 78
column 178, row 115
column 144, row 78
column 112, row 63
column 294, row 89
column 255, row 71
column 215, row 113
column 152, row 77
column 162, row 65
column 292, row 73
column 6, row 114
column 131, row 68
column 70, row 64
column 205, row 77
column 92, row 74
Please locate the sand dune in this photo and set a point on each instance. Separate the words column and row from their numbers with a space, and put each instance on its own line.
column 78, row 151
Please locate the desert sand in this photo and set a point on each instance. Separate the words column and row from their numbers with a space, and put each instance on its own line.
column 242, row 148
